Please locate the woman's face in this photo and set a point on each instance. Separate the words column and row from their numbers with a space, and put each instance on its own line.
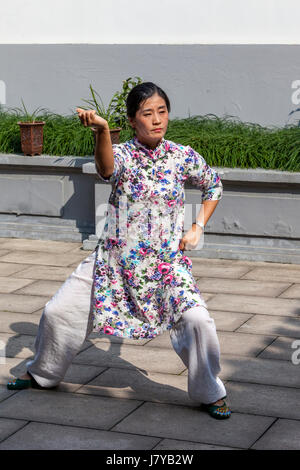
column 151, row 121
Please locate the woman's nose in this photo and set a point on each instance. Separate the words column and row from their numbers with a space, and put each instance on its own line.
column 156, row 118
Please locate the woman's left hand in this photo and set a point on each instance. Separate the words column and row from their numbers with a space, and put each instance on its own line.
column 191, row 238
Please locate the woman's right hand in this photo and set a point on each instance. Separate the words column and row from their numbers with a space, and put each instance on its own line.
column 89, row 118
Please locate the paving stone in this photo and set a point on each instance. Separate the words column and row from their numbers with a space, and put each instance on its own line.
column 230, row 271
column 268, row 324
column 6, row 269
column 255, row 304
column 161, row 341
column 35, row 257
column 4, row 392
column 22, row 323
column 4, row 252
column 46, row 288
column 242, row 262
column 172, row 444
column 260, row 371
column 10, row 284
column 292, row 292
column 4, row 239
column 229, row 321
column 206, row 295
column 154, row 387
column 240, row 431
column 264, row 400
column 10, row 426
column 282, row 435
column 18, row 345
column 113, row 355
column 79, row 249
column 77, row 375
column 21, row 303
column 48, row 246
column 243, row 344
column 51, row 273
column 280, row 349
column 241, row 286
column 40, row 436
column 66, row 408
column 281, row 274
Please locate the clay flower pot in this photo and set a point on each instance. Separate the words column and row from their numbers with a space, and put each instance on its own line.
column 114, row 135
column 32, row 137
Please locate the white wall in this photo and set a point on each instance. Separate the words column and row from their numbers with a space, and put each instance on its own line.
column 150, row 22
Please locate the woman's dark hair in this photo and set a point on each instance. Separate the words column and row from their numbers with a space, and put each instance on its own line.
column 142, row 92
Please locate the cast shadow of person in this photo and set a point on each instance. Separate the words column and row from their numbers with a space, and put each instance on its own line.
column 120, row 377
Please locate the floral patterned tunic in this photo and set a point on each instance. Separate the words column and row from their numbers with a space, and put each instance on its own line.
column 142, row 280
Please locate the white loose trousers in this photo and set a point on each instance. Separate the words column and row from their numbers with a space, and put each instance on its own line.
column 67, row 321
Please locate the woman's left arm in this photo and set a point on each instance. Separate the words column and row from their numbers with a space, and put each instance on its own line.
column 207, row 179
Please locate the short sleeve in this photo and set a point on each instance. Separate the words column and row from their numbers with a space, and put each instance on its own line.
column 200, row 174
column 119, row 162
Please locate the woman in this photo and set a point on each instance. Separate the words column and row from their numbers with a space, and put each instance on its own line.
column 134, row 285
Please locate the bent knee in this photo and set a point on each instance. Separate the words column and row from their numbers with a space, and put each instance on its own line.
column 198, row 316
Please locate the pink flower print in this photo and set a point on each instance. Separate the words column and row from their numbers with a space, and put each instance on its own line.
column 171, row 203
column 128, row 274
column 160, row 175
column 187, row 260
column 176, row 301
column 168, row 279
column 164, row 268
column 143, row 251
column 108, row 330
column 99, row 303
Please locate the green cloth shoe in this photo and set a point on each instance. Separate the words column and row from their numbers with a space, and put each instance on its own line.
column 218, row 411
column 20, row 384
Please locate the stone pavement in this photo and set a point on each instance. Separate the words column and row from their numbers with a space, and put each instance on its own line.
column 125, row 394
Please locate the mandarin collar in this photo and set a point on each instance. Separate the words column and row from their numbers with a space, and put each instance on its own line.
column 158, row 152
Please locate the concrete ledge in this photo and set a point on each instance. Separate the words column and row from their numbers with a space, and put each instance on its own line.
column 57, row 162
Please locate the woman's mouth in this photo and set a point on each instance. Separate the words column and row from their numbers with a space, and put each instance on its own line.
column 157, row 130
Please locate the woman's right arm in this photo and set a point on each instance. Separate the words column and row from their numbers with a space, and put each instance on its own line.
column 104, row 157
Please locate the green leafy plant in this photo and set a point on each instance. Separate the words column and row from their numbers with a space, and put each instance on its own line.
column 25, row 116
column 115, row 112
column 119, row 100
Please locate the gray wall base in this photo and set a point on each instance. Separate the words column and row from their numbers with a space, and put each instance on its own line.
column 42, row 228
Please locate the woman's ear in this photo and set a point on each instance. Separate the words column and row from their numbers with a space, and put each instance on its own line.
column 131, row 122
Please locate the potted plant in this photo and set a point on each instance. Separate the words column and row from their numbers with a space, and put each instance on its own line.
column 31, row 131
column 115, row 113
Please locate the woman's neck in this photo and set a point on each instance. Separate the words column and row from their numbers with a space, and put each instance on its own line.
column 150, row 145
